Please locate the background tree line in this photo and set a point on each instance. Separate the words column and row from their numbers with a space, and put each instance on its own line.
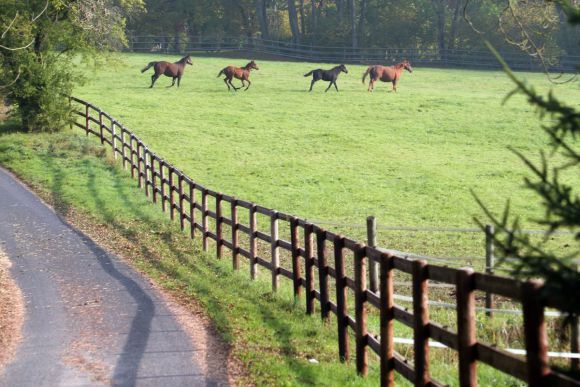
column 439, row 24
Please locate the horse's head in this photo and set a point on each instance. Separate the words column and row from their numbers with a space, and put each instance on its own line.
column 187, row 60
column 252, row 65
column 407, row 65
column 343, row 68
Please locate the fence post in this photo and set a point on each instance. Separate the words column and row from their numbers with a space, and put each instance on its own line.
column 218, row 225
column 146, row 166
column 466, row 339
column 191, row 210
column 489, row 264
column 372, row 242
column 139, row 170
column 101, row 127
column 204, row 216
column 154, row 182
column 309, row 267
column 253, row 243
column 421, row 323
column 171, row 172
column 235, row 249
column 387, row 317
column 123, row 152
column 181, row 209
column 114, row 141
column 341, row 292
column 322, row 272
column 296, row 272
column 535, row 334
column 275, row 250
column 360, row 279
column 132, row 152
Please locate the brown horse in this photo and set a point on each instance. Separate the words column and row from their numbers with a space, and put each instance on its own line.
column 241, row 73
column 386, row 74
column 174, row 70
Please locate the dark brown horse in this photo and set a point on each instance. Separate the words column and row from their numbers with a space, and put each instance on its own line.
column 174, row 70
column 241, row 73
column 386, row 74
column 326, row 75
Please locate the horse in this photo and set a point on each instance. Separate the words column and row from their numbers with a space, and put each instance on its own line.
column 327, row 75
column 174, row 70
column 241, row 73
column 386, row 74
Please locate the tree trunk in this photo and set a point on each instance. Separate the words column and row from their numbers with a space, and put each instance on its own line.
column 314, row 17
column 353, row 23
column 340, row 10
column 453, row 30
column 362, row 20
column 440, row 13
column 302, row 17
column 262, row 18
column 293, row 18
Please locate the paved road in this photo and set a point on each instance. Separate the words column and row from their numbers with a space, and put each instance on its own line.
column 89, row 319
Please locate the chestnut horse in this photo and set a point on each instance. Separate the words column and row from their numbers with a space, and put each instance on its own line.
column 241, row 73
column 174, row 70
column 386, row 74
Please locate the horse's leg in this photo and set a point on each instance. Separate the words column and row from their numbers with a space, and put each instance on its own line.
column 226, row 82
column 312, row 84
column 178, row 80
column 173, row 83
column 329, row 85
column 243, row 84
column 235, row 88
column 336, row 87
column 153, row 79
column 371, row 85
column 249, row 83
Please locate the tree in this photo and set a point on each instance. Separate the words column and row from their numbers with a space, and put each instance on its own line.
column 293, row 19
column 40, row 42
column 526, row 257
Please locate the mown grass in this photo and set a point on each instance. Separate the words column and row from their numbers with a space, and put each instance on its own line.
column 410, row 158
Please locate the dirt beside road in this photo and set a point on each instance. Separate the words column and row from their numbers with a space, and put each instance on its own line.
column 11, row 312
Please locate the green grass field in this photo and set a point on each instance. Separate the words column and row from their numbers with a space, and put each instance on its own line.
column 409, row 158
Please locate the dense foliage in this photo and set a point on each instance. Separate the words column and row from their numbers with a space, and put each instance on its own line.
column 40, row 45
column 436, row 24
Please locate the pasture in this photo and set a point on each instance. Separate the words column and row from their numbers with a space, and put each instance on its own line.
column 409, row 158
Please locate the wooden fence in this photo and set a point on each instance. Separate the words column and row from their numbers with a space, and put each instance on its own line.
column 454, row 58
column 324, row 254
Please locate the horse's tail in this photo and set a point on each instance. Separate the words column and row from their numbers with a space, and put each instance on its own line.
column 309, row 73
column 222, row 71
column 148, row 66
column 365, row 74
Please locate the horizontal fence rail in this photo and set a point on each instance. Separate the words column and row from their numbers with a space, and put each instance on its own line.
column 458, row 58
column 319, row 274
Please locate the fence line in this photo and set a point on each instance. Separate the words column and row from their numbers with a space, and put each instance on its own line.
column 425, row 56
column 180, row 195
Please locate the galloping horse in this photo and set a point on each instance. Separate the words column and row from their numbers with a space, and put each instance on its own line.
column 327, row 75
column 386, row 74
column 241, row 73
column 174, row 70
